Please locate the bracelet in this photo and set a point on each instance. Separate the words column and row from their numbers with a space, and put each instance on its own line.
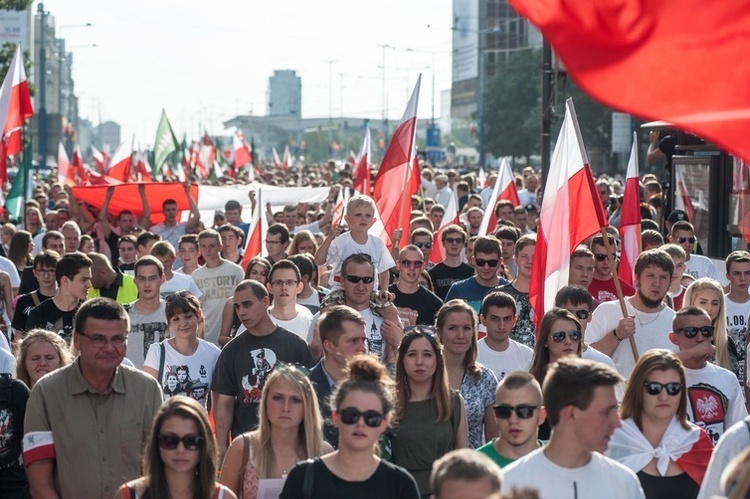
column 614, row 333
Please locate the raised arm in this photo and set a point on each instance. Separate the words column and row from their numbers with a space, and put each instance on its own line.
column 195, row 214
column 145, row 222
column 104, row 212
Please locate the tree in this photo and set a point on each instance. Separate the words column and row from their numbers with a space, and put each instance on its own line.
column 15, row 4
column 7, row 51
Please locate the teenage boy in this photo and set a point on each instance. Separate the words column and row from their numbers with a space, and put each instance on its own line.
column 173, row 281
column 284, row 283
column 216, row 280
column 148, row 318
column 189, row 253
column 416, row 304
column 602, row 285
column 518, row 411
column 496, row 350
column 277, row 240
column 452, row 268
column 676, row 293
column 698, row 266
column 127, row 252
column 360, row 216
column 524, row 331
column 465, row 474
column 44, row 272
column 231, row 242
column 487, row 259
column 737, row 305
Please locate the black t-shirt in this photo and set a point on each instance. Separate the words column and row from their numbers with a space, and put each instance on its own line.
column 416, row 308
column 47, row 316
column 13, row 397
column 28, row 281
column 24, row 304
column 388, row 481
column 443, row 276
column 244, row 365
column 113, row 241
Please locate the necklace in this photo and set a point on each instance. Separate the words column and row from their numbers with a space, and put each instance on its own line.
column 640, row 321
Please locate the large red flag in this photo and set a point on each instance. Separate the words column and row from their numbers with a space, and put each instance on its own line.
column 241, row 150
column 571, row 212
column 630, row 219
column 658, row 59
column 505, row 189
column 15, row 108
column 361, row 171
column 392, row 181
column 450, row 217
column 119, row 164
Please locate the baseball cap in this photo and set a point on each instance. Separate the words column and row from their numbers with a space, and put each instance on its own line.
column 677, row 216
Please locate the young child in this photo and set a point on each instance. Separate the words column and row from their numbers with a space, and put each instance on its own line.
column 360, row 215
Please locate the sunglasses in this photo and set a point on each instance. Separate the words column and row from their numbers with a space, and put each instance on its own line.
column 654, row 388
column 481, row 262
column 692, row 331
column 417, row 264
column 423, row 245
column 559, row 336
column 454, row 240
column 682, row 240
column 523, row 411
column 581, row 313
column 600, row 257
column 170, row 442
column 354, row 279
column 177, row 294
column 350, row 415
column 420, row 329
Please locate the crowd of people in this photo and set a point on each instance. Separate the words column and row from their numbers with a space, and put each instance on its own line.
column 158, row 360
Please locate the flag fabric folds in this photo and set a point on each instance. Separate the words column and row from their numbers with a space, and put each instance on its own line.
column 256, row 238
column 119, row 164
column 361, row 173
column 571, row 212
column 505, row 188
column 630, row 219
column 449, row 217
column 655, row 59
column 64, row 169
column 15, row 108
column 165, row 143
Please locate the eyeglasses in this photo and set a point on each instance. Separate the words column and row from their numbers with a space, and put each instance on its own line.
column 481, row 262
column 654, row 388
column 523, row 411
column 683, row 240
column 600, row 257
column 100, row 341
column 559, row 336
column 581, row 313
column 288, row 283
column 423, row 245
column 454, row 240
column 354, row 279
column 45, row 272
column 417, row 264
column 692, row 331
column 177, row 294
column 350, row 415
column 170, row 442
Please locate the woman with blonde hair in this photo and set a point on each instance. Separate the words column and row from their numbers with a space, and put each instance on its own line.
column 34, row 221
column 39, row 353
column 290, row 431
column 706, row 293
column 303, row 242
column 180, row 459
column 668, row 453
column 456, row 324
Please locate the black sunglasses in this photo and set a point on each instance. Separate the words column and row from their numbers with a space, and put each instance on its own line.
column 170, row 442
column 177, row 294
column 354, row 279
column 420, row 329
column 690, row 240
column 350, row 415
column 559, row 336
column 581, row 313
column 692, row 331
column 523, row 411
column 481, row 262
column 654, row 388
column 600, row 257
column 423, row 245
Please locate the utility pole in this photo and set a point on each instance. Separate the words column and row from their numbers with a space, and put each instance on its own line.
column 42, row 88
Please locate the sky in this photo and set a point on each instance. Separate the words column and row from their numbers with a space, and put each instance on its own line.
column 206, row 62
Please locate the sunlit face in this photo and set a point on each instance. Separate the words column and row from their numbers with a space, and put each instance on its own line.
column 185, row 324
column 350, row 343
column 457, row 332
column 166, row 261
column 41, row 358
column 486, row 273
column 72, row 240
column 210, row 248
column 250, row 310
column 284, row 405
column 95, row 359
column 525, row 260
column 682, row 238
column 594, row 426
column 45, row 276
column 679, row 270
column 357, row 295
column 284, row 285
column 127, row 251
column 424, row 243
column 661, row 407
column 453, row 243
column 170, row 213
column 80, row 284
column 514, row 430
column 307, row 246
column 359, row 436
column 475, row 219
column 499, row 322
column 436, row 217
column 258, row 273
column 148, row 281
column 360, row 218
column 602, row 268
column 710, row 301
column 739, row 275
column 420, row 360
column 180, row 460
column 410, row 266
column 581, row 271
column 189, row 255
column 568, row 346
column 652, row 285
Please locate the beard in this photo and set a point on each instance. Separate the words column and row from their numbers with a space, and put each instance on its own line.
column 648, row 302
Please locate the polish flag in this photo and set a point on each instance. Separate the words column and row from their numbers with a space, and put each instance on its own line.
column 392, row 189
column 287, row 160
column 100, row 160
column 256, row 239
column 361, row 171
column 505, row 189
column 15, row 108
column 450, row 218
column 64, row 169
column 121, row 161
column 143, row 168
column 683, row 201
column 77, row 163
column 630, row 220
column 337, row 217
column 276, row 159
column 241, row 151
column 571, row 212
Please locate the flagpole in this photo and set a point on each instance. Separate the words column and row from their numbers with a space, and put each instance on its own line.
column 618, row 288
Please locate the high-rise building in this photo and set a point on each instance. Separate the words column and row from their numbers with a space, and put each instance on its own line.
column 285, row 93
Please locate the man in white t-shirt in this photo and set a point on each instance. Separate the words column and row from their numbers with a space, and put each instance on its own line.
column 284, row 283
column 737, row 306
column 148, row 319
column 683, row 234
column 579, row 396
column 496, row 350
column 715, row 400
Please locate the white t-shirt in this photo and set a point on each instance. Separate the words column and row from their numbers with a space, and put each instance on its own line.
column 699, row 266
column 9, row 267
column 601, row 477
column 180, row 282
column 651, row 331
column 344, row 246
column 193, row 374
column 217, row 285
column 731, row 443
column 715, row 400
column 7, row 362
column 592, row 353
column 299, row 325
column 517, row 357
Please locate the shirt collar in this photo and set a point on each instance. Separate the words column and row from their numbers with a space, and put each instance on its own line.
column 81, row 385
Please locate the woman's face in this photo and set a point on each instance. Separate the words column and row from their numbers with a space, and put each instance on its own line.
column 662, row 406
column 41, row 359
column 184, row 324
column 180, row 459
column 567, row 346
column 306, row 247
column 258, row 273
column 710, row 301
column 420, row 361
column 284, row 405
column 357, row 435
column 88, row 246
column 457, row 332
column 32, row 217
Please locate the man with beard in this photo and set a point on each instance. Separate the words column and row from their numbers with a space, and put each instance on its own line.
column 649, row 320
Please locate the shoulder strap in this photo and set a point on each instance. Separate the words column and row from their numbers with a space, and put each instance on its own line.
column 35, row 297
column 246, row 454
column 161, row 361
column 747, row 423
column 307, row 484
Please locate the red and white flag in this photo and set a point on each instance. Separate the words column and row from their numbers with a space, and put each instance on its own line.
column 361, row 171
column 450, row 217
column 571, row 212
column 100, row 160
column 630, row 219
column 64, row 169
column 15, row 108
column 505, row 189
column 337, row 217
column 241, row 151
column 392, row 189
column 121, row 161
column 77, row 163
column 143, row 171
column 276, row 159
column 287, row 159
column 256, row 239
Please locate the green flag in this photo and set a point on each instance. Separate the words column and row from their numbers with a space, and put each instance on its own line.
column 165, row 143
column 20, row 190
